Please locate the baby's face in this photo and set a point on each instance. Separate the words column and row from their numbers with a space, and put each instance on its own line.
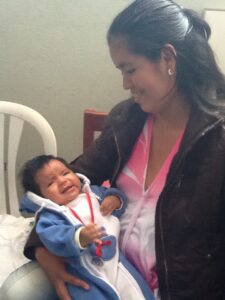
column 58, row 183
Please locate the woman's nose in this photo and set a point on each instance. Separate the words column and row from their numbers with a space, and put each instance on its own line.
column 126, row 83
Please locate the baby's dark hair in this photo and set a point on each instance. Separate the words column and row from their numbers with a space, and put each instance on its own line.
column 30, row 169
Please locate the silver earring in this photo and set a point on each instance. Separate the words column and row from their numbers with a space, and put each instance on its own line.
column 170, row 72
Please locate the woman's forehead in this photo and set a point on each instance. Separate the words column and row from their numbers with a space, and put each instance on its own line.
column 120, row 53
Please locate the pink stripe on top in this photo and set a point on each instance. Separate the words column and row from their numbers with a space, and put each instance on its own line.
column 137, row 237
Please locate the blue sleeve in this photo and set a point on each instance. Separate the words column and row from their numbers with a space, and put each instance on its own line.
column 27, row 206
column 101, row 192
column 57, row 234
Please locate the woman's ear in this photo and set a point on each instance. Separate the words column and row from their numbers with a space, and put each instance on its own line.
column 169, row 54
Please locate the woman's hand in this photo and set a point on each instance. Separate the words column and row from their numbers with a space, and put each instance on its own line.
column 54, row 268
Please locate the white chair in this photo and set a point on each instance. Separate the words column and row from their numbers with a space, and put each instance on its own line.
column 18, row 114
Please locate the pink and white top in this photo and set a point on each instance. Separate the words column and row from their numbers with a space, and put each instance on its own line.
column 137, row 237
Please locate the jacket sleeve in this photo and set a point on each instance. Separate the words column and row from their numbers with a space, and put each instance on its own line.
column 57, row 234
column 101, row 192
column 31, row 244
column 100, row 160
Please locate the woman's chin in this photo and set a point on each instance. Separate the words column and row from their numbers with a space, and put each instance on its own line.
column 144, row 104
column 145, row 107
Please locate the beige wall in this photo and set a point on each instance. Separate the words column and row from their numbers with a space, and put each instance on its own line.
column 54, row 58
column 200, row 5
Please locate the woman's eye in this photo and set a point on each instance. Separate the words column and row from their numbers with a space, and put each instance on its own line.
column 130, row 71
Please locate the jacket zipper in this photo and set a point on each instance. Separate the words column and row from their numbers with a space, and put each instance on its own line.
column 179, row 163
column 119, row 158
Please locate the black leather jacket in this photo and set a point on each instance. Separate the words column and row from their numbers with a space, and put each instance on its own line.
column 190, row 213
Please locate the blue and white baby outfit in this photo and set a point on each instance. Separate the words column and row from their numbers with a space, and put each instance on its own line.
column 103, row 267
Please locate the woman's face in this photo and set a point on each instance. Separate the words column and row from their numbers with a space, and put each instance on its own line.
column 149, row 83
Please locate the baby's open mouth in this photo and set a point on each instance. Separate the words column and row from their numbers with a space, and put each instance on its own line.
column 68, row 188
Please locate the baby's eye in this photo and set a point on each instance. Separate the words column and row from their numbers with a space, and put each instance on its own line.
column 50, row 183
column 66, row 173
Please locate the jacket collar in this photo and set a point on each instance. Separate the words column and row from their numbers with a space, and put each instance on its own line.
column 199, row 124
column 131, row 120
column 128, row 125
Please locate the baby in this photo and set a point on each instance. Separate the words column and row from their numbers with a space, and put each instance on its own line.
column 80, row 222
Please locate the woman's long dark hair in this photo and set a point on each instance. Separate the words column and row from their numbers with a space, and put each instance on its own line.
column 148, row 25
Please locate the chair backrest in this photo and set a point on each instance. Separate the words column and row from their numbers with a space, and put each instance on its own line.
column 93, row 122
column 12, row 119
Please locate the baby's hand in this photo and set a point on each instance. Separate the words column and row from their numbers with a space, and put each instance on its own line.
column 89, row 234
column 109, row 204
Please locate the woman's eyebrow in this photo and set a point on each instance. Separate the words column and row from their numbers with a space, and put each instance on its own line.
column 123, row 65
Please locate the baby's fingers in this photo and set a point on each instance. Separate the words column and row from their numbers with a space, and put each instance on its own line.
column 106, row 210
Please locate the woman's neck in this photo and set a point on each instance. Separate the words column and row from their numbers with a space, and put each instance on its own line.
column 175, row 115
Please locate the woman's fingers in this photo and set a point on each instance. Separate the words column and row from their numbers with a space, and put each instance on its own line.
column 61, row 287
column 55, row 269
column 76, row 281
column 62, row 291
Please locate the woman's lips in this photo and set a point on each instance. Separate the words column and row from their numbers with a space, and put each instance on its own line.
column 136, row 96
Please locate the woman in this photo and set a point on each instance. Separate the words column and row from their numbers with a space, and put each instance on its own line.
column 165, row 148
